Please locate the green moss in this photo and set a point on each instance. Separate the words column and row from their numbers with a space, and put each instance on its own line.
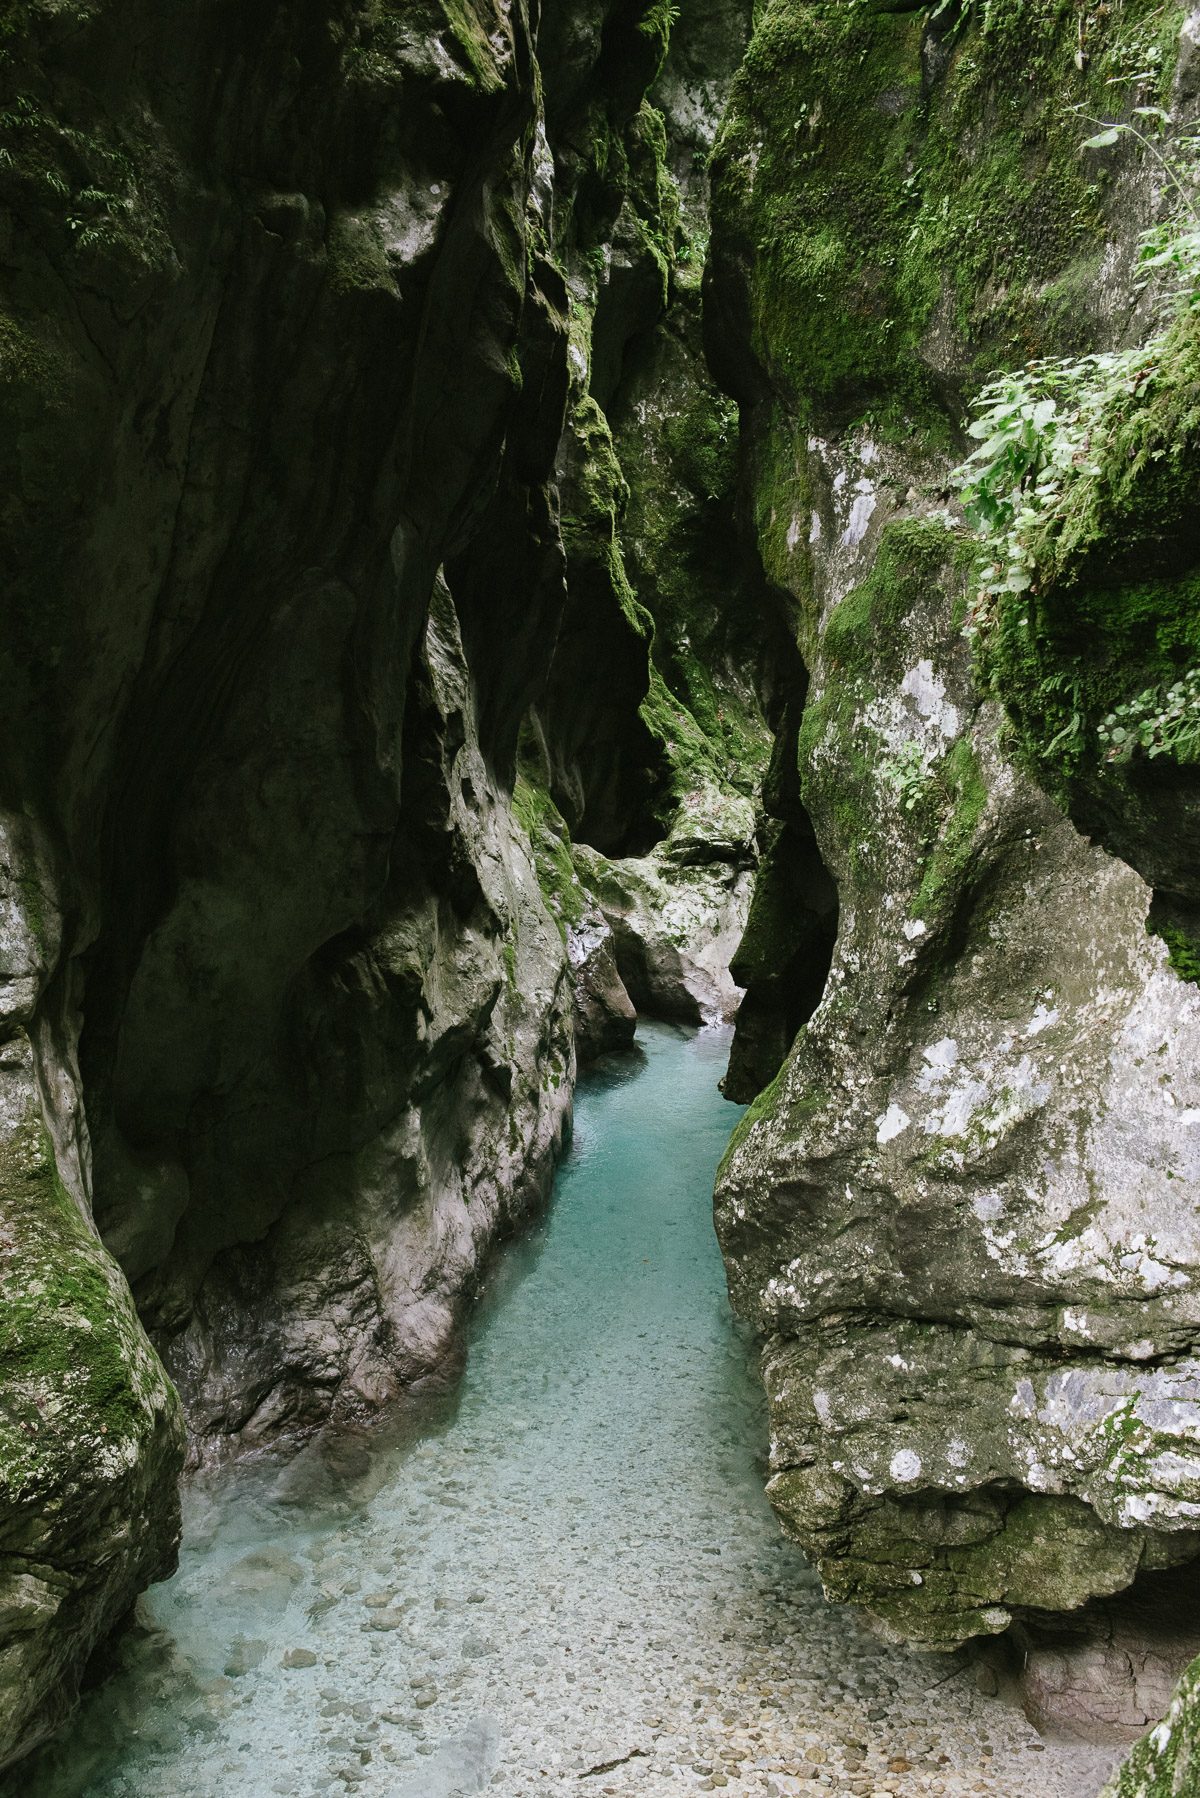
column 1052, row 1554
column 1166, row 1762
column 678, row 451
column 866, row 630
column 357, row 256
column 766, row 1105
column 865, row 651
column 645, row 500
column 649, row 188
column 694, row 759
column 471, row 24
column 624, row 171
column 96, row 180
column 881, row 206
column 550, row 842
column 75, row 1371
column 1115, row 604
column 655, row 23
column 962, row 799
column 1041, row 1552
column 599, row 490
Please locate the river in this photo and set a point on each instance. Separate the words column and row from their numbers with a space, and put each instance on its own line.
column 562, row 1576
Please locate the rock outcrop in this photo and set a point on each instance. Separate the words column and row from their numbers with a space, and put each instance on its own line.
column 963, row 1210
column 91, row 1437
column 342, row 356
column 1166, row 1764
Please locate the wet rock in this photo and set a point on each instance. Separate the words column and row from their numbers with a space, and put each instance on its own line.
column 246, row 1653
column 461, row 1764
column 269, row 1571
column 677, row 915
column 91, row 1438
column 605, row 1018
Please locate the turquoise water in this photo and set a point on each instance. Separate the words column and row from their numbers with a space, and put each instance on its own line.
column 562, row 1570
column 608, row 1405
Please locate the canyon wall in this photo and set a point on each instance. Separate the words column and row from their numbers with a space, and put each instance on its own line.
column 454, row 605
column 341, row 355
column 963, row 1210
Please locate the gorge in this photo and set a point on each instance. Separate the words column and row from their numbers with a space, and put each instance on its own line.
column 519, row 519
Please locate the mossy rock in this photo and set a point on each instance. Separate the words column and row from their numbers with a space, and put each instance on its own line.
column 913, row 196
column 91, row 1444
column 1166, row 1762
column 1113, row 613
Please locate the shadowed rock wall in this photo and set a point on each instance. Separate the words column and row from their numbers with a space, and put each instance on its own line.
column 310, row 327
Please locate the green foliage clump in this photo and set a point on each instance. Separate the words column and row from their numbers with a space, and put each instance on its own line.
column 1161, row 721
column 87, row 175
column 1089, row 619
column 1037, row 427
column 656, row 23
column 908, row 772
column 1084, row 472
column 1183, row 950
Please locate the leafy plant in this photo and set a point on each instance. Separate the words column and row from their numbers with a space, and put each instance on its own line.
column 967, row 9
column 1112, row 130
column 1183, row 951
column 1034, row 433
column 1037, row 429
column 908, row 773
column 1163, row 720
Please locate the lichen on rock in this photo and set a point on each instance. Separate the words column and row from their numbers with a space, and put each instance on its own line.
column 1166, row 1763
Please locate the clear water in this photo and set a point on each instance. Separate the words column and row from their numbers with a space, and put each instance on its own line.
column 568, row 1562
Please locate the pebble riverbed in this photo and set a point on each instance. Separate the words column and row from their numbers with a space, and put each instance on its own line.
column 568, row 1579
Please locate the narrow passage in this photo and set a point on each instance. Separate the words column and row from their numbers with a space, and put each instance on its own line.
column 569, row 1580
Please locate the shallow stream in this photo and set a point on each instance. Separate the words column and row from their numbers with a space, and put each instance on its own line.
column 567, row 1578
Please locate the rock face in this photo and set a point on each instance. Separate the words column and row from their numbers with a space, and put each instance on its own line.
column 91, row 1437
column 359, row 340
column 964, row 1210
column 450, row 1017
column 1166, row 1764
column 434, row 664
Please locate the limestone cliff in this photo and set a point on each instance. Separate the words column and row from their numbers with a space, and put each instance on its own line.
column 453, row 605
column 964, row 1209
column 329, row 341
